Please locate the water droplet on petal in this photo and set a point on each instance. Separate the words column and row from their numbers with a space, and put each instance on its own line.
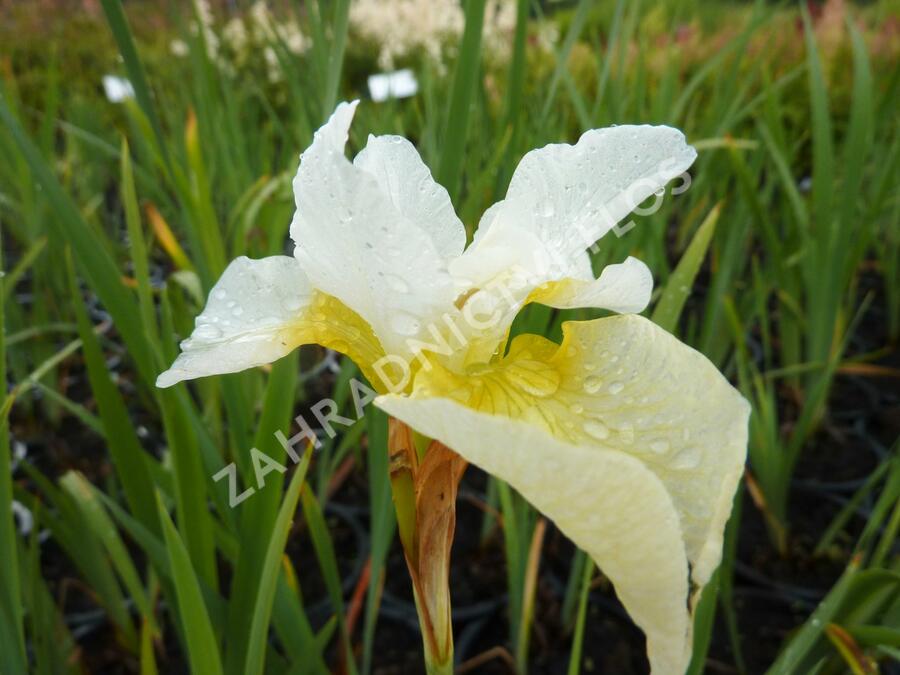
column 592, row 384
column 547, row 209
column 659, row 446
column 206, row 331
column 576, row 408
column 405, row 324
column 396, row 284
column 616, row 388
column 596, row 429
column 293, row 304
column 237, row 311
column 689, row 458
column 220, row 294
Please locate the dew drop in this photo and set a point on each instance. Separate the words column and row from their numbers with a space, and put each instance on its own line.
column 576, row 408
column 293, row 304
column 592, row 384
column 596, row 429
column 659, row 446
column 396, row 284
column 237, row 311
column 220, row 294
column 405, row 324
column 616, row 388
column 689, row 458
column 207, row 332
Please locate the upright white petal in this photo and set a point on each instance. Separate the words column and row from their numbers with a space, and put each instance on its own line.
column 563, row 198
column 359, row 238
column 250, row 319
column 571, row 195
column 607, row 502
column 401, row 174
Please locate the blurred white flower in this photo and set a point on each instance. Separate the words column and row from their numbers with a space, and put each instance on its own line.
column 397, row 84
column 258, row 33
column 179, row 48
column 117, row 89
column 403, row 28
column 24, row 518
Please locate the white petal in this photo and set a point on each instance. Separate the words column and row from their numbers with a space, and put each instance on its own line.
column 249, row 319
column 625, row 288
column 406, row 180
column 355, row 244
column 568, row 196
column 608, row 503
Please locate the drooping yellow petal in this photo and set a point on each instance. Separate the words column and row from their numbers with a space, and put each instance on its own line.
column 622, row 383
column 607, row 502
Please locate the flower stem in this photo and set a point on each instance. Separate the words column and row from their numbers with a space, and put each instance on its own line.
column 424, row 478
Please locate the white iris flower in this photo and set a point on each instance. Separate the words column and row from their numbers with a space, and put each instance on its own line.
column 631, row 441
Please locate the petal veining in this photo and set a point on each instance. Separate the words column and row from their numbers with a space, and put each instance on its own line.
column 609, row 503
column 625, row 384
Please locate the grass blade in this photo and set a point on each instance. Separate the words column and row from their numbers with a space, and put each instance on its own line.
column 12, row 639
column 118, row 24
column 91, row 253
column 382, row 526
column 465, row 82
column 668, row 309
column 580, row 618
column 124, row 447
column 200, row 640
column 269, row 571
